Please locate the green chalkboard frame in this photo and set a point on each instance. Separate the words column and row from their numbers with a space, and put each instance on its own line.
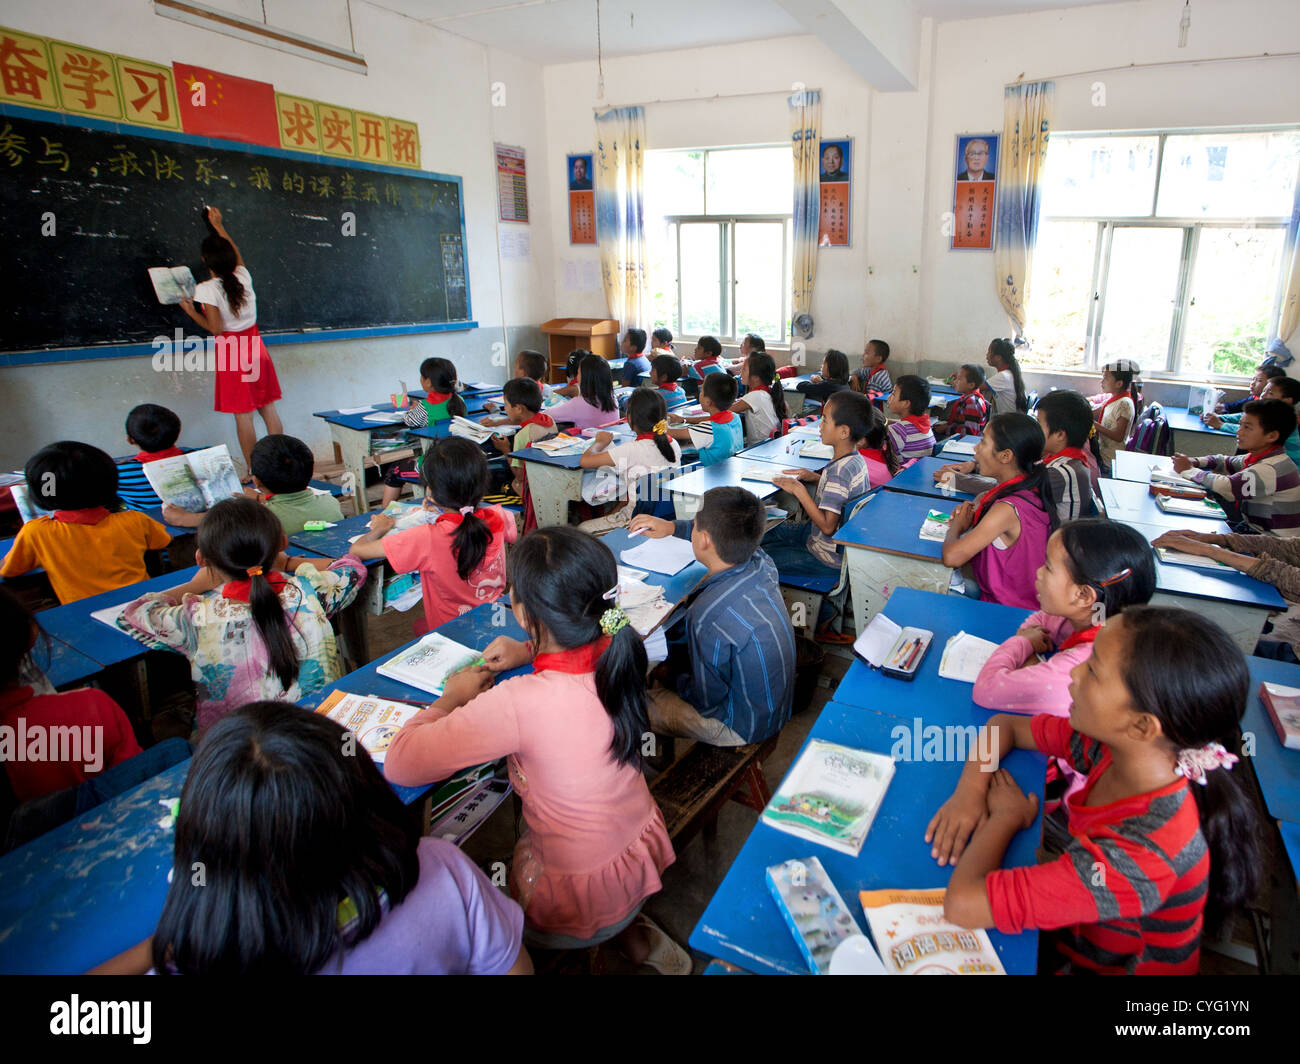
column 314, row 335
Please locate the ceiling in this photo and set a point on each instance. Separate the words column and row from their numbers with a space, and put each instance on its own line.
column 564, row 31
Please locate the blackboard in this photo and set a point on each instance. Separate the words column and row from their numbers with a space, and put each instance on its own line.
column 86, row 207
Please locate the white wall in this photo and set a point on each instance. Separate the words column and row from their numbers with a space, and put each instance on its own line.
column 416, row 72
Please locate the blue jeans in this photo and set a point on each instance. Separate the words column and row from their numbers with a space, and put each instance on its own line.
column 1277, row 649
column 787, row 546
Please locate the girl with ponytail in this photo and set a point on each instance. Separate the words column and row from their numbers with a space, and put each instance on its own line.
column 253, row 622
column 763, row 403
column 1005, row 388
column 572, row 731
column 629, row 464
column 1163, row 840
column 1117, row 408
column 1003, row 533
column 461, row 555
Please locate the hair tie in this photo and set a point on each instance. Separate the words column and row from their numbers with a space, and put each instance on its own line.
column 256, row 570
column 1194, row 763
column 660, row 428
column 467, row 509
column 613, row 620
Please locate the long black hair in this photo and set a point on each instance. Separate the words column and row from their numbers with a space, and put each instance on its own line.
column 237, row 535
column 1184, row 670
column 70, row 475
column 285, row 816
column 441, row 373
column 455, row 471
column 597, row 386
column 1114, row 560
column 560, row 576
column 218, row 255
column 646, row 409
column 762, row 365
column 1005, row 352
column 1023, row 437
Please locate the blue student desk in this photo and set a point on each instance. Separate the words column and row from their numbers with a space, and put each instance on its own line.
column 1194, row 438
column 1132, row 503
column 351, row 435
column 332, row 542
column 795, row 399
column 950, row 451
column 676, row 587
column 742, row 923
column 918, row 479
column 689, row 488
column 554, row 481
column 941, row 390
column 930, row 696
column 63, row 665
column 784, row 452
column 1276, row 767
column 1291, row 843
column 884, row 550
column 92, row 887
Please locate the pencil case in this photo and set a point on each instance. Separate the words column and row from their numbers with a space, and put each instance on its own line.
column 906, row 655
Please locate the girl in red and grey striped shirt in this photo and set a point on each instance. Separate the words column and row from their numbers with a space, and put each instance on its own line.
column 1161, row 836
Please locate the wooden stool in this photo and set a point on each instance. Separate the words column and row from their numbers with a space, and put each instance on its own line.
column 693, row 789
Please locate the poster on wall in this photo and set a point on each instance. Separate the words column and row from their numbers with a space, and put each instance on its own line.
column 974, row 192
column 582, row 199
column 512, row 184
column 836, row 193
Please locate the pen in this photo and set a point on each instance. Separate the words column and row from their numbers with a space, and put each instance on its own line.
column 404, row 701
column 911, row 660
column 902, row 651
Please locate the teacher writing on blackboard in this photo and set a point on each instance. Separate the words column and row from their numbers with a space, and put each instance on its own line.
column 246, row 380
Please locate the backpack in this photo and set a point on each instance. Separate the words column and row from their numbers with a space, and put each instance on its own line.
column 1151, row 434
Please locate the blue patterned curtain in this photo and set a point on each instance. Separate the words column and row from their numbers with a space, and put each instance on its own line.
column 1289, row 317
column 620, row 195
column 805, row 138
column 1026, row 122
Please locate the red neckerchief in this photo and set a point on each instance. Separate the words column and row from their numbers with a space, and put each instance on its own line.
column 1251, row 459
column 712, row 360
column 921, row 421
column 873, row 452
column 1088, row 635
column 760, row 388
column 91, row 515
column 434, row 398
column 489, row 517
column 668, row 386
column 1066, row 452
column 722, row 417
column 153, row 456
column 645, row 435
column 979, row 510
column 1112, row 399
column 238, row 590
column 545, row 420
column 576, row 662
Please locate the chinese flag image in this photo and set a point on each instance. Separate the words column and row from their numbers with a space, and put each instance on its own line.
column 219, row 105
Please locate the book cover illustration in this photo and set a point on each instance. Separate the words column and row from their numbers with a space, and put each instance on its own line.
column 831, row 795
column 813, row 910
column 913, row 938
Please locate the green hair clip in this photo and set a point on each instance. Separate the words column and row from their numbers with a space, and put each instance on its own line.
column 613, row 620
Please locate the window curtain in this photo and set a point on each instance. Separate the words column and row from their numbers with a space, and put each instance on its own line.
column 1027, row 115
column 805, row 138
column 1289, row 317
column 620, row 194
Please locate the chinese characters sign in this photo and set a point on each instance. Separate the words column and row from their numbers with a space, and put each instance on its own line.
column 512, row 184
column 836, row 186
column 582, row 199
column 975, row 192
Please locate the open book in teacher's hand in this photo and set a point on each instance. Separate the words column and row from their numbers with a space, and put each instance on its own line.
column 171, row 284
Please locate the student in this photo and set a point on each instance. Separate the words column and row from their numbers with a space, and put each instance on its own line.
column 873, row 376
column 833, row 377
column 1005, row 389
column 461, row 557
column 731, row 679
column 1003, row 533
column 323, row 864
column 969, row 412
column 569, row 389
column 1262, row 485
column 246, row 380
column 282, row 467
column 661, row 343
column 1162, row 836
column 809, row 547
column 1066, row 420
column 873, row 449
column 717, row 396
column 708, row 356
column 651, row 452
column 533, row 365
column 665, row 372
column 442, row 402
column 1264, row 372
column 594, row 404
column 1121, row 402
column 523, row 401
column 763, row 401
column 153, row 431
column 250, row 630
column 88, row 544
column 1281, row 387
column 633, row 349
column 595, row 842
column 911, row 436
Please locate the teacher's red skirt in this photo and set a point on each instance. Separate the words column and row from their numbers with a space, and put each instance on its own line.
column 246, row 379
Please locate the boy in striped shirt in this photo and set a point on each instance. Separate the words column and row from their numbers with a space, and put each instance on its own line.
column 873, row 376
column 969, row 412
column 1263, row 485
column 153, row 430
column 911, row 436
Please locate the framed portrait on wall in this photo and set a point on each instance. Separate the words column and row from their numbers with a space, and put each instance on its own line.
column 582, row 199
column 974, row 195
column 836, row 188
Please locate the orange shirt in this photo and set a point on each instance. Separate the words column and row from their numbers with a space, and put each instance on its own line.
column 84, row 559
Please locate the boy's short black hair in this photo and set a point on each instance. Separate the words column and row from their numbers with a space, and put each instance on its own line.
column 636, row 337
column 974, row 374
column 853, row 410
column 283, row 464
column 913, row 390
column 1273, row 415
column 734, row 518
column 1069, row 412
column 1289, row 387
column 523, row 391
column 152, row 427
column 720, row 388
column 533, row 364
column 882, row 349
column 668, row 368
column 1272, row 372
column 710, row 346
column 69, row 475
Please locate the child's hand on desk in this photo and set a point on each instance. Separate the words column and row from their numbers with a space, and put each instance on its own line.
column 676, row 419
column 961, row 518
column 501, row 444
column 654, row 527
column 1177, row 539
column 1182, row 463
column 788, row 483
column 466, row 685
column 1213, row 420
column 381, row 524
column 505, row 653
column 602, row 440
column 1037, row 636
column 951, row 827
column 952, row 468
column 1006, row 801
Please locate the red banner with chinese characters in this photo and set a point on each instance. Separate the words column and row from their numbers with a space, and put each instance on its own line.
column 219, row 105
column 973, row 225
column 582, row 217
column 833, row 220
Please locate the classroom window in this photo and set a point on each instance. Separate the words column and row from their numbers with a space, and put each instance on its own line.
column 718, row 225
column 1163, row 248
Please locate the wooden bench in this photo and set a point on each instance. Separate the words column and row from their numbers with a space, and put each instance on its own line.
column 693, row 789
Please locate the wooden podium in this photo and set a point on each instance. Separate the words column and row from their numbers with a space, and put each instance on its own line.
column 566, row 335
